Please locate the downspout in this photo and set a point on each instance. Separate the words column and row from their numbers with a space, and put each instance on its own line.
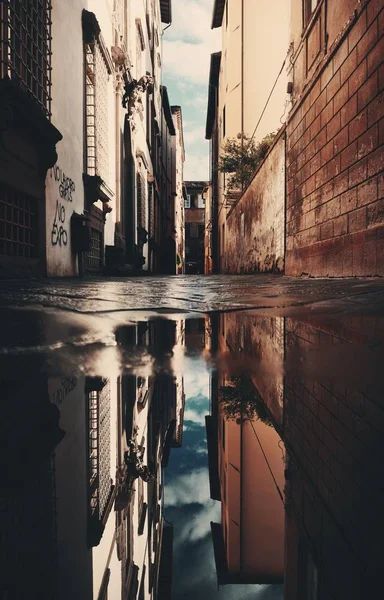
column 241, row 485
column 242, row 84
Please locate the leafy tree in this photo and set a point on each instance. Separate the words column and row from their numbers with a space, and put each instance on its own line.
column 241, row 402
column 240, row 159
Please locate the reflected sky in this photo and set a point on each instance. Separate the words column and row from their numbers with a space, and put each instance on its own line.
column 188, row 505
column 308, row 424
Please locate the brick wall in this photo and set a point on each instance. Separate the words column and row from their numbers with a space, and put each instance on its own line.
column 335, row 153
column 333, row 426
column 254, row 237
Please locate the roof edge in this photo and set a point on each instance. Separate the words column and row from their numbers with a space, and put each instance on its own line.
column 214, row 72
column 218, row 12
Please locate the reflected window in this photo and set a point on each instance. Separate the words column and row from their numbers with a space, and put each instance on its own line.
column 100, row 486
column 193, row 230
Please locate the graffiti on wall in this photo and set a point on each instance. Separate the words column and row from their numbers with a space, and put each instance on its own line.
column 59, row 235
column 66, row 190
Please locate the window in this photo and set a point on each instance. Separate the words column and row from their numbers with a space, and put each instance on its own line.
column 25, row 47
column 224, row 122
column 226, row 14
column 99, row 446
column 140, row 46
column 18, row 223
column 200, row 201
column 97, row 76
column 141, row 201
column 308, row 8
column 187, row 202
column 151, row 209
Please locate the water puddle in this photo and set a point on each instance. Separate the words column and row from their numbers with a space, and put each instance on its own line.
column 228, row 456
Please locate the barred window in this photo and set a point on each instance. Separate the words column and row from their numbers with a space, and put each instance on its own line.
column 18, row 223
column 99, row 449
column 141, row 201
column 25, row 47
column 151, row 206
column 97, row 75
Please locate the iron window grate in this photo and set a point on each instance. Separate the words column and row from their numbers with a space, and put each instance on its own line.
column 95, row 252
column 25, row 47
column 18, row 223
column 96, row 111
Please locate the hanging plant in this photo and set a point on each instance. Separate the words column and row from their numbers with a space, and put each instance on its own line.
column 241, row 402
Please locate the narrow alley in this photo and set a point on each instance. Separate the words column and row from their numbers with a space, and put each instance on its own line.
column 191, row 299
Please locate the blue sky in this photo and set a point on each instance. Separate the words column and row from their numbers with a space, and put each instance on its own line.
column 187, row 46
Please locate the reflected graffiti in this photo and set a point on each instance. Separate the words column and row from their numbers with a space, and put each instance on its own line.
column 68, row 384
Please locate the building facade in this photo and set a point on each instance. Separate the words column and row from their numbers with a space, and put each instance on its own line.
column 321, row 404
column 194, row 226
column 246, row 97
column 93, row 194
column 335, row 146
column 178, row 189
column 319, row 211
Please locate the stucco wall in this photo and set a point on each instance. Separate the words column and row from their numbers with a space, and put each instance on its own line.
column 255, row 242
column 64, row 185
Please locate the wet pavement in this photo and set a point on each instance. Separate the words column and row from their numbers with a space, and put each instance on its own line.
column 191, row 437
column 191, row 293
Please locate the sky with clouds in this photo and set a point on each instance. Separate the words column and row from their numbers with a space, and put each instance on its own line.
column 188, row 505
column 187, row 46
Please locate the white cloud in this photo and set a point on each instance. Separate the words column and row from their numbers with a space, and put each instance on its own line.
column 189, row 488
column 199, row 524
column 194, row 135
column 196, row 375
column 188, row 61
column 196, row 167
column 191, row 20
column 194, row 416
column 196, row 101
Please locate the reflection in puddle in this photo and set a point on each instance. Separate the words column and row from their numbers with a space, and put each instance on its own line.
column 169, row 458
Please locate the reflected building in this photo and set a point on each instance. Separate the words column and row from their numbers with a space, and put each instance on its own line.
column 82, row 494
column 246, row 470
column 318, row 383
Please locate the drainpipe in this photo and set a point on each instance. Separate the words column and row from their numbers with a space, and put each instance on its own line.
column 242, row 83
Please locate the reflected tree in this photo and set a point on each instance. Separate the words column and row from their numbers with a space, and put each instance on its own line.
column 241, row 402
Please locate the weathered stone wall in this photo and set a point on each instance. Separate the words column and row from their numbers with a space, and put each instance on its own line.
column 254, row 238
column 335, row 158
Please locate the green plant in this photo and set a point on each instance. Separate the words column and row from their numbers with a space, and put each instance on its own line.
column 240, row 159
column 241, row 402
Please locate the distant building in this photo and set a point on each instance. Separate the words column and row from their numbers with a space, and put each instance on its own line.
column 208, row 243
column 177, row 188
column 194, row 226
